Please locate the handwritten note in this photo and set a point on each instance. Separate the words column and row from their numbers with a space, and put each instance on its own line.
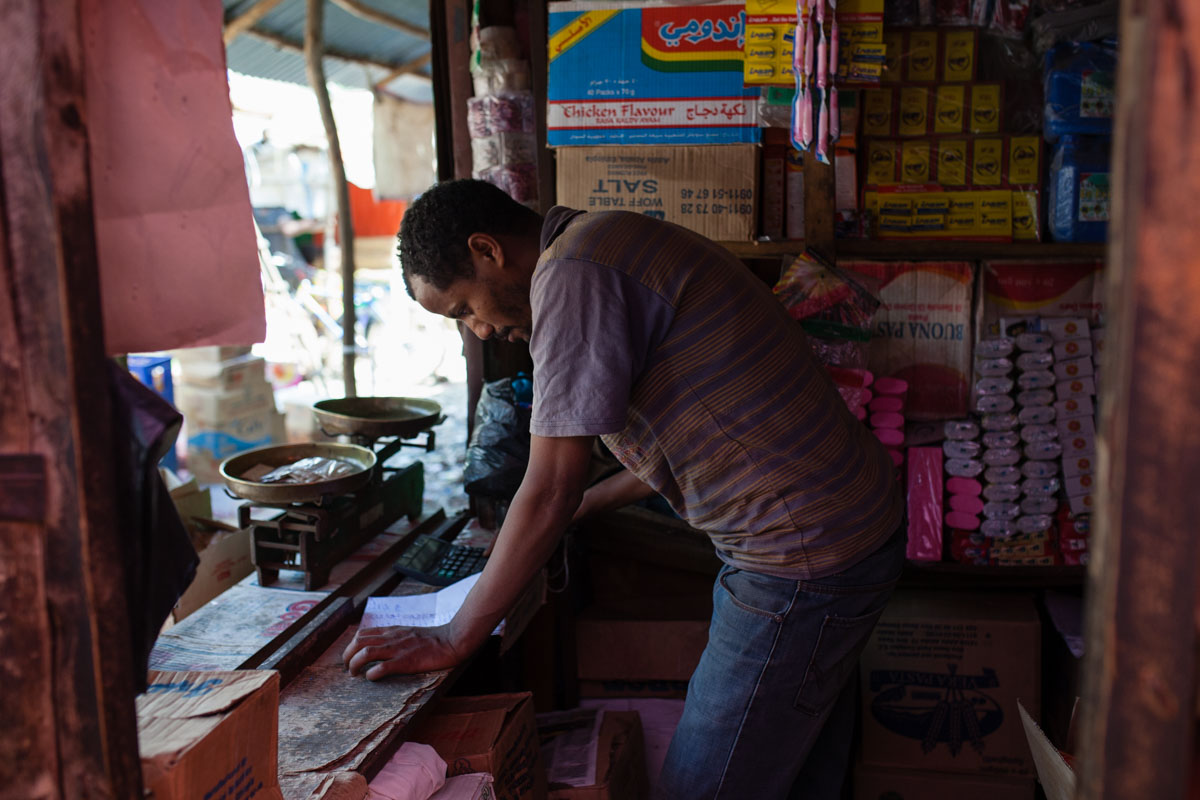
column 420, row 610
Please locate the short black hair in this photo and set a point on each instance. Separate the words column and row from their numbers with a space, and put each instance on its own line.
column 433, row 235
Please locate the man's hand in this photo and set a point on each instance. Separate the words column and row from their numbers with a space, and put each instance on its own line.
column 401, row 650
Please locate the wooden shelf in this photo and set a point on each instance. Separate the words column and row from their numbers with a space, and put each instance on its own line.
column 925, row 250
column 947, row 575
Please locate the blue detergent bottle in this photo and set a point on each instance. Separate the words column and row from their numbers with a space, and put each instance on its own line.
column 1078, row 189
column 1079, row 78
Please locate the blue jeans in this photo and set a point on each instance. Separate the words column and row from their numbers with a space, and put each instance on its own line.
column 770, row 708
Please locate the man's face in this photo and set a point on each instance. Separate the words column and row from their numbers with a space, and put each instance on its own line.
column 492, row 306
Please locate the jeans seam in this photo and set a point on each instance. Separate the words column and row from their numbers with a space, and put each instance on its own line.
column 754, row 695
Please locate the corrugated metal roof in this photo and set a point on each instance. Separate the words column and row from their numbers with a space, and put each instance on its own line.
column 345, row 33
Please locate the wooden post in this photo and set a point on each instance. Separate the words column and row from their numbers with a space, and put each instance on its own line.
column 314, row 51
column 1140, row 670
column 819, row 206
column 68, row 698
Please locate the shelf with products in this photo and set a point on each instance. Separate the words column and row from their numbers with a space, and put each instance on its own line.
column 926, row 250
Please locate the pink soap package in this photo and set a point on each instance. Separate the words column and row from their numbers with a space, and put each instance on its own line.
column 924, row 504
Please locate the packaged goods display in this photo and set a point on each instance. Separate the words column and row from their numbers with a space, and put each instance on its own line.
column 500, row 117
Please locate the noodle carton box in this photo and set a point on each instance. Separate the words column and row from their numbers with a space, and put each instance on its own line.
column 648, row 72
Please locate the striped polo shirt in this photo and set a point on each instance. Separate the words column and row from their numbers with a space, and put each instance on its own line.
column 682, row 360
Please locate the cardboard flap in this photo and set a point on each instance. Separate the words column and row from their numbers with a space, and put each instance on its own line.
column 1056, row 776
column 187, row 695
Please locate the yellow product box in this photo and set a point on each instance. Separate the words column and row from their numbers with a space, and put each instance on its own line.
column 985, row 108
column 878, row 112
column 995, row 214
column 964, row 203
column 760, row 72
column 987, row 162
column 960, row 224
column 1026, row 215
column 949, row 101
column 913, row 119
column 893, row 40
column 922, row 56
column 862, row 62
column 932, row 213
column 958, row 55
column 1025, row 160
column 952, row 162
column 883, row 161
column 767, row 50
column 915, row 166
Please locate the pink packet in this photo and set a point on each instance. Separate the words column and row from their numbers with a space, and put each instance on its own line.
column 924, row 504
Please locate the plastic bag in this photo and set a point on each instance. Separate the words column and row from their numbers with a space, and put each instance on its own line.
column 813, row 289
column 499, row 449
column 313, row 469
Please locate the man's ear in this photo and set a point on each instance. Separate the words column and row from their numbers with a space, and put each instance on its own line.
column 485, row 248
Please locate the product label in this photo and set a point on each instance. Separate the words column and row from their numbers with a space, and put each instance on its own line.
column 1093, row 197
column 985, row 108
column 914, row 162
column 959, row 63
column 948, row 109
column 922, row 56
column 986, row 169
column 877, row 112
column 952, row 162
column 881, row 162
column 1024, row 160
column 1096, row 99
column 914, row 111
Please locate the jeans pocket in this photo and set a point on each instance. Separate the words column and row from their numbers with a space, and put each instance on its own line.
column 758, row 594
column 834, row 657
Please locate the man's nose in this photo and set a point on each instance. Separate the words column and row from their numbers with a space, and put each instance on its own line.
column 481, row 329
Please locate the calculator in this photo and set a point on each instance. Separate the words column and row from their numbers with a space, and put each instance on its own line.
column 438, row 562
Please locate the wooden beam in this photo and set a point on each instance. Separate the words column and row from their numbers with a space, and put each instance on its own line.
column 67, row 659
column 412, row 67
column 246, row 20
column 314, row 48
column 361, row 9
column 288, row 44
column 1140, row 668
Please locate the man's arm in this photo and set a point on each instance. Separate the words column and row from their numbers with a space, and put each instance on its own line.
column 615, row 491
column 540, row 512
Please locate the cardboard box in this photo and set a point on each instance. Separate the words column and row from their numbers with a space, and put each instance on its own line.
column 923, row 332
column 492, row 733
column 620, row 762
column 196, row 355
column 941, row 676
column 794, row 194
column 710, row 190
column 1039, row 288
column 204, row 406
column 222, row 564
column 210, row 735
column 873, row 783
column 208, row 446
column 648, row 72
column 227, row 375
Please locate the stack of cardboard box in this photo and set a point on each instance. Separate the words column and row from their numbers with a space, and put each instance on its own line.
column 669, row 74
column 227, row 405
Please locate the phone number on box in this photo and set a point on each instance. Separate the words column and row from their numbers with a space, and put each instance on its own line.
column 716, row 194
column 716, row 208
